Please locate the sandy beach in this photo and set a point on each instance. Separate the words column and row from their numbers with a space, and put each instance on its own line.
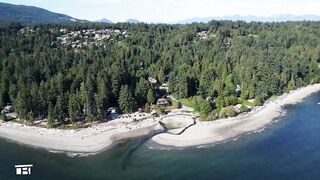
column 86, row 140
column 100, row 136
column 223, row 129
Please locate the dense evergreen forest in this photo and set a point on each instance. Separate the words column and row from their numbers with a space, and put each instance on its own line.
column 44, row 79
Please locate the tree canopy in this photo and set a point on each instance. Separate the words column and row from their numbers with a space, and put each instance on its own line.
column 42, row 77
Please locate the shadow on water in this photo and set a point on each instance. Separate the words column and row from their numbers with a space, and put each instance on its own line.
column 127, row 159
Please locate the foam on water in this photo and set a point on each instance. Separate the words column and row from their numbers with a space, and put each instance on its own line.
column 206, row 146
column 258, row 130
column 236, row 138
column 154, row 146
column 72, row 154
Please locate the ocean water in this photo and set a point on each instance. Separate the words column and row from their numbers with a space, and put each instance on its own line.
column 289, row 148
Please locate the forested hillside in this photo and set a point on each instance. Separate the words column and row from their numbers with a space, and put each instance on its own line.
column 31, row 15
column 42, row 77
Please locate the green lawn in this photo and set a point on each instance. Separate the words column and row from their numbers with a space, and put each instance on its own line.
column 187, row 102
column 176, row 104
column 169, row 108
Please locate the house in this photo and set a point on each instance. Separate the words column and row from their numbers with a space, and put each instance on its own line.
column 7, row 109
column 163, row 102
column 152, row 80
column 97, row 36
column 113, row 111
column 211, row 99
column 141, row 65
column 205, row 35
column 164, row 87
column 238, row 89
column 106, row 36
column 202, row 34
column 63, row 30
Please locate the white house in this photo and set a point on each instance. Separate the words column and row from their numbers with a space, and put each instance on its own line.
column 7, row 109
column 163, row 102
column 164, row 87
column 152, row 80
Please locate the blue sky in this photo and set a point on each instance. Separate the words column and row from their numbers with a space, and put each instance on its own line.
column 172, row 10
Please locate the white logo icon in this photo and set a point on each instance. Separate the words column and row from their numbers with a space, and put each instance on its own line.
column 23, row 169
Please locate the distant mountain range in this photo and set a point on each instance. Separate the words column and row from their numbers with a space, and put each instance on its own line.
column 274, row 18
column 104, row 20
column 133, row 21
column 31, row 15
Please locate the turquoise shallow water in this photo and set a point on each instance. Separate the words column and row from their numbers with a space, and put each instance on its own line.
column 286, row 149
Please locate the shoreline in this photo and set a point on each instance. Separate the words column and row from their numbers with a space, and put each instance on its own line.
column 223, row 129
column 93, row 139
column 101, row 136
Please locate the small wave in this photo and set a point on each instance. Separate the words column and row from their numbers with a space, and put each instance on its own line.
column 155, row 146
column 235, row 138
column 162, row 148
column 72, row 155
column 56, row 152
column 258, row 130
column 207, row 146
column 168, row 148
column 203, row 147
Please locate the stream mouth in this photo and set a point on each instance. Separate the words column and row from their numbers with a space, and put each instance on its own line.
column 170, row 125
